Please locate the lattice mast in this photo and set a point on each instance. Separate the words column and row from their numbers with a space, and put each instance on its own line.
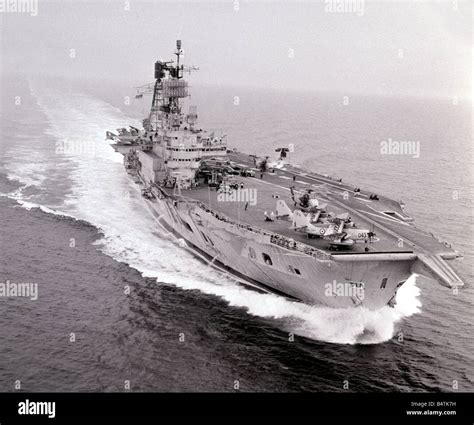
column 169, row 89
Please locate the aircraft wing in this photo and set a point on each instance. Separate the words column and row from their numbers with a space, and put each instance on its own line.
column 343, row 216
column 335, row 228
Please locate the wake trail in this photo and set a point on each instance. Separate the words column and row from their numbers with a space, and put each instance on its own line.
column 103, row 195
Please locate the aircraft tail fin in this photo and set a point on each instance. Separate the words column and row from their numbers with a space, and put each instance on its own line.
column 300, row 220
column 315, row 216
column 282, row 209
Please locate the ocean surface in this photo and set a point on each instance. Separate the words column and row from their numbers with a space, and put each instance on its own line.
column 119, row 302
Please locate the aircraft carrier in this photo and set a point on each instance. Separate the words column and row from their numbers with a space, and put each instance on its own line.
column 270, row 224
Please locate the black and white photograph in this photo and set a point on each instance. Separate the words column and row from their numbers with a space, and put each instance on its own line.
column 236, row 207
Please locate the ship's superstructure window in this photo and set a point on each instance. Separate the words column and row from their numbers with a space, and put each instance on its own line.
column 267, row 259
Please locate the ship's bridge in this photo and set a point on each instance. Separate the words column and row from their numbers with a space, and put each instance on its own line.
column 182, row 137
column 213, row 146
column 183, row 153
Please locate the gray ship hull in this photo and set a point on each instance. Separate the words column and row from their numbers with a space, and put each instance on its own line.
column 320, row 280
column 339, row 246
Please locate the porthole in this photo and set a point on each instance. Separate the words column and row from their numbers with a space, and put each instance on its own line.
column 267, row 259
column 252, row 254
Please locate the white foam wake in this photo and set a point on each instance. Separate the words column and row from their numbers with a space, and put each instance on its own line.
column 104, row 196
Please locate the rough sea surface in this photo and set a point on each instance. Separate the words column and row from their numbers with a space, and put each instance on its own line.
column 119, row 300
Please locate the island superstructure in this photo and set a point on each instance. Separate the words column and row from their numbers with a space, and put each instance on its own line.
column 272, row 225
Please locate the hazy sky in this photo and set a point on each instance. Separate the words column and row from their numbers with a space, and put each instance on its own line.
column 412, row 47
